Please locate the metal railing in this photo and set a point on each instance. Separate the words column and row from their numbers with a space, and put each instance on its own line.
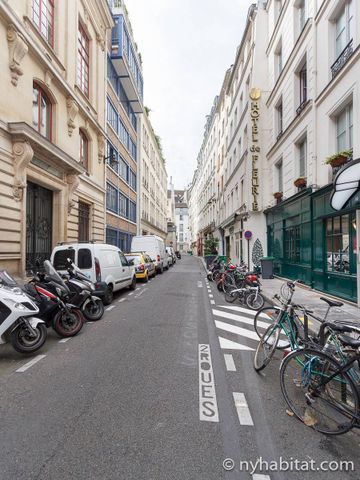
column 342, row 59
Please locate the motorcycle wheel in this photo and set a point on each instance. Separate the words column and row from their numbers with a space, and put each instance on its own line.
column 22, row 342
column 93, row 310
column 68, row 324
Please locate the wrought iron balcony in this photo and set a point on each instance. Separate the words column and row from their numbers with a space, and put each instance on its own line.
column 126, row 63
column 302, row 106
column 342, row 59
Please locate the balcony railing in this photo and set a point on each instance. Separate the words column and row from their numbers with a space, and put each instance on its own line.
column 342, row 59
column 302, row 106
column 279, row 135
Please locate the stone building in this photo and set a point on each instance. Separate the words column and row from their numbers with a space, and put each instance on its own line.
column 52, row 126
column 153, row 185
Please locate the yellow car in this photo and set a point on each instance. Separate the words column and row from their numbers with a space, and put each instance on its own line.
column 144, row 265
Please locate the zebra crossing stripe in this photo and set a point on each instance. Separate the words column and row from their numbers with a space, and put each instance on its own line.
column 238, row 318
column 226, row 344
column 251, row 313
column 244, row 332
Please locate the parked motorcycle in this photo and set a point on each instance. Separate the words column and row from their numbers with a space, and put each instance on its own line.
column 52, row 296
column 84, row 291
column 18, row 324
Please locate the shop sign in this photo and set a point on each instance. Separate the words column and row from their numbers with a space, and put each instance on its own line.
column 255, row 95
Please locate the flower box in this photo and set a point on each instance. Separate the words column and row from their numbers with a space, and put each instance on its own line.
column 300, row 182
column 339, row 158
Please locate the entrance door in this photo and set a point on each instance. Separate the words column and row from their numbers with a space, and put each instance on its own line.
column 38, row 224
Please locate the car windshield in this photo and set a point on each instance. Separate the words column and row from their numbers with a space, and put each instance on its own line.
column 135, row 258
column 52, row 273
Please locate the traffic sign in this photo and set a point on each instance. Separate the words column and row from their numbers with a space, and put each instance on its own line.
column 248, row 234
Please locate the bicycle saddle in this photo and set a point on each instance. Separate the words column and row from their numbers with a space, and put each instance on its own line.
column 351, row 342
column 331, row 303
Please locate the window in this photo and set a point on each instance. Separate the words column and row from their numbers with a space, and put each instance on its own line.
column 303, row 84
column 279, row 175
column 279, row 118
column 344, row 28
column 132, row 211
column 41, row 112
column 111, row 198
column 84, row 222
column 340, row 243
column 344, row 129
column 112, row 116
column 83, row 61
column 292, row 244
column 181, row 217
column 300, row 16
column 123, row 170
column 277, row 9
column 302, row 157
column 278, row 60
column 112, row 156
column 132, row 179
column 43, row 17
column 181, row 237
column 84, row 258
column 181, row 227
column 84, row 150
column 61, row 256
column 123, row 205
column 123, row 260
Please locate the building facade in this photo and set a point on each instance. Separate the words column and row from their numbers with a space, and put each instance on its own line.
column 153, row 186
column 182, row 221
column 171, row 219
column 52, row 127
column 124, row 104
column 308, row 239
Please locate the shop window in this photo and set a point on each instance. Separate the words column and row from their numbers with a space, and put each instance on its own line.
column 340, row 244
column 292, row 244
column 43, row 18
column 42, row 111
column 83, row 60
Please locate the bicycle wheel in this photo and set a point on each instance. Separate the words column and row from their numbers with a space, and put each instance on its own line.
column 230, row 297
column 268, row 316
column 255, row 300
column 266, row 347
column 228, row 283
column 330, row 407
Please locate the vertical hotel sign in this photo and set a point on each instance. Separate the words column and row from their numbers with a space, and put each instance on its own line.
column 255, row 95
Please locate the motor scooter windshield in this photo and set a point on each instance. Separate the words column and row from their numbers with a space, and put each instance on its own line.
column 7, row 280
column 53, row 274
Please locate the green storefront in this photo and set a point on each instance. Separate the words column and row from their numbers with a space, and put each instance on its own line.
column 312, row 242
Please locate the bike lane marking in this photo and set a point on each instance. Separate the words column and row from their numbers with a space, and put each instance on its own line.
column 110, row 308
column 208, row 408
column 229, row 362
column 242, row 409
column 30, row 364
column 64, row 340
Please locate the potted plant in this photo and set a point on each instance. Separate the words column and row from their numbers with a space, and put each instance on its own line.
column 339, row 158
column 278, row 195
column 300, row 182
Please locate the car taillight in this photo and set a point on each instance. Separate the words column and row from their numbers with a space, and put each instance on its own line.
column 158, row 258
column 97, row 270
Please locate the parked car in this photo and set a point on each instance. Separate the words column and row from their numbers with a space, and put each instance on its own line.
column 154, row 246
column 171, row 254
column 100, row 262
column 144, row 265
column 178, row 254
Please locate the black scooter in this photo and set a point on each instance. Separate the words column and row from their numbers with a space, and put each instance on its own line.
column 83, row 293
column 52, row 296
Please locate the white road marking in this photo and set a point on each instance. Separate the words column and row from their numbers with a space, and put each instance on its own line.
column 242, row 409
column 251, row 313
column 64, row 340
column 200, row 284
column 138, row 288
column 208, row 409
column 132, row 293
column 121, row 300
column 140, row 293
column 110, row 308
column 230, row 345
column 239, row 318
column 30, row 364
column 89, row 323
column 229, row 362
column 212, row 302
column 211, row 295
column 242, row 332
column 260, row 476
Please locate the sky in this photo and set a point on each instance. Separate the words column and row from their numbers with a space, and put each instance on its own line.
column 186, row 48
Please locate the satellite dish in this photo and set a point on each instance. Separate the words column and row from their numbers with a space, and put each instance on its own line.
column 346, row 184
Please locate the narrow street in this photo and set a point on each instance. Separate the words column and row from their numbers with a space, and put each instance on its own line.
column 121, row 400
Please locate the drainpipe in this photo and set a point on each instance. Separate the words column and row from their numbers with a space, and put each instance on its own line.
column 314, row 120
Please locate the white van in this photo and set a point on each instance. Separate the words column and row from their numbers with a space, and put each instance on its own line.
column 98, row 261
column 154, row 246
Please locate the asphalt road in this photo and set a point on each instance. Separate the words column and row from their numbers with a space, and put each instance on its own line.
column 161, row 388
